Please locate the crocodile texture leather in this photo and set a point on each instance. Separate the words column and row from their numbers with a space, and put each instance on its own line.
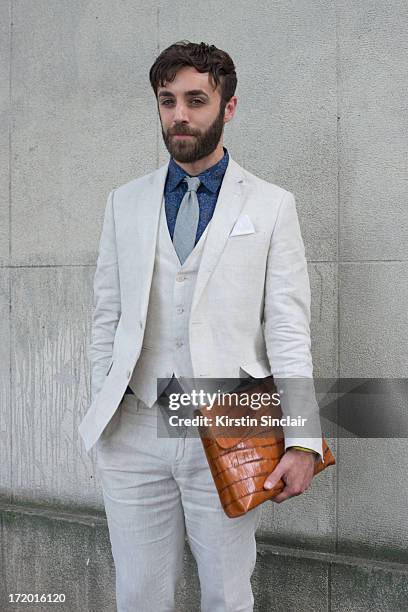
column 240, row 464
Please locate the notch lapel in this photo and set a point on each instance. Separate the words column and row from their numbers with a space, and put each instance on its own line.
column 147, row 222
column 227, row 210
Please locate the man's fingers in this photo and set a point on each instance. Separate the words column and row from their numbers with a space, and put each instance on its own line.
column 273, row 478
column 278, row 499
column 296, row 473
column 287, row 493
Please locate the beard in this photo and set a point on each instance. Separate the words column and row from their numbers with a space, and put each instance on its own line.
column 193, row 149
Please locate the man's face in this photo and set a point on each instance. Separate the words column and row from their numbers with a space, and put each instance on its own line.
column 191, row 115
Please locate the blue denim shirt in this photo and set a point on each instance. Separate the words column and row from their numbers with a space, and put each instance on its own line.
column 207, row 193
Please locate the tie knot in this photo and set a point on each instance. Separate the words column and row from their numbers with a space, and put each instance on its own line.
column 193, row 183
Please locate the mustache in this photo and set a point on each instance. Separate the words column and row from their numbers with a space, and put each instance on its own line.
column 180, row 132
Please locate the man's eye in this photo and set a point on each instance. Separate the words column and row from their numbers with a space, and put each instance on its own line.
column 194, row 102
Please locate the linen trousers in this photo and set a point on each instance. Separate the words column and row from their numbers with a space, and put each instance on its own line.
column 156, row 492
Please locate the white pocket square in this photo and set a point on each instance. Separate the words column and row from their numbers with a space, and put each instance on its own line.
column 243, row 225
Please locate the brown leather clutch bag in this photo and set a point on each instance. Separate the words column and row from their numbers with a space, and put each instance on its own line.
column 241, row 460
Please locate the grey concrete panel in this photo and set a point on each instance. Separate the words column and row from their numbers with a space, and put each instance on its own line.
column 372, row 498
column 6, row 413
column 285, row 126
column 324, row 323
column 287, row 584
column 50, row 394
column 373, row 126
column 373, row 319
column 47, row 556
column 358, row 589
column 374, row 334
column 5, row 120
column 85, row 120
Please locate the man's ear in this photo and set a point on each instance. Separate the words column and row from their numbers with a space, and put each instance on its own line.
column 230, row 107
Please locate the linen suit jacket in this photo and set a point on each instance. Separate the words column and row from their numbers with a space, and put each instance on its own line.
column 251, row 303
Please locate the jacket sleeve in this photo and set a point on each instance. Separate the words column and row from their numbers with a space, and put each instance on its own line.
column 287, row 326
column 106, row 302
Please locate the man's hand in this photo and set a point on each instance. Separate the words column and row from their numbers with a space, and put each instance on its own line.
column 296, row 469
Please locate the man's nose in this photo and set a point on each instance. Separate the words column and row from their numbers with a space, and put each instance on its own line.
column 180, row 114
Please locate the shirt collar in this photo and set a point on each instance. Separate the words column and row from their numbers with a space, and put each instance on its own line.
column 210, row 178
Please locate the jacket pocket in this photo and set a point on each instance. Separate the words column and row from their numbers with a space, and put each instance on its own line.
column 257, row 369
column 109, row 367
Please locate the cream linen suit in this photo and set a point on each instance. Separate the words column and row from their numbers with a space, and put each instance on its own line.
column 251, row 301
column 249, row 312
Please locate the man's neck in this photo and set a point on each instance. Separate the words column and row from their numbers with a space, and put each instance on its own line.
column 199, row 166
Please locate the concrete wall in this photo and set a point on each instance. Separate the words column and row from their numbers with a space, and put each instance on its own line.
column 321, row 111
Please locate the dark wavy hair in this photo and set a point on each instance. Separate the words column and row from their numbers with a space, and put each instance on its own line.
column 203, row 57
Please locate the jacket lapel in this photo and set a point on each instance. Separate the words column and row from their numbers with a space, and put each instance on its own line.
column 229, row 205
column 148, row 214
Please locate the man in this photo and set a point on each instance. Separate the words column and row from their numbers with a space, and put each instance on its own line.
column 201, row 272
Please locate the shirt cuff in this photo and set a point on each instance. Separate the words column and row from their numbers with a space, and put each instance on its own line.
column 314, row 444
column 303, row 448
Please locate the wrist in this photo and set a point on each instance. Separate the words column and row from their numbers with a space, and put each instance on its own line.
column 303, row 448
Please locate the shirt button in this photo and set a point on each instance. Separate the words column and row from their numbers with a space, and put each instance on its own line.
column 179, row 278
column 180, row 309
column 179, row 343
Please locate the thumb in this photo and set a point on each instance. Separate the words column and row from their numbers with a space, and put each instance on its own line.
column 273, row 478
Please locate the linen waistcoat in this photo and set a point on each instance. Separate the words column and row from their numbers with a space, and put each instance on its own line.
column 165, row 349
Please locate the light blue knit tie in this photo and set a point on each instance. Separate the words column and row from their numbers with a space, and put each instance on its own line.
column 188, row 215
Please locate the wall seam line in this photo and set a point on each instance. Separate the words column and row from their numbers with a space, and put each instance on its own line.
column 10, row 121
column 338, row 176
